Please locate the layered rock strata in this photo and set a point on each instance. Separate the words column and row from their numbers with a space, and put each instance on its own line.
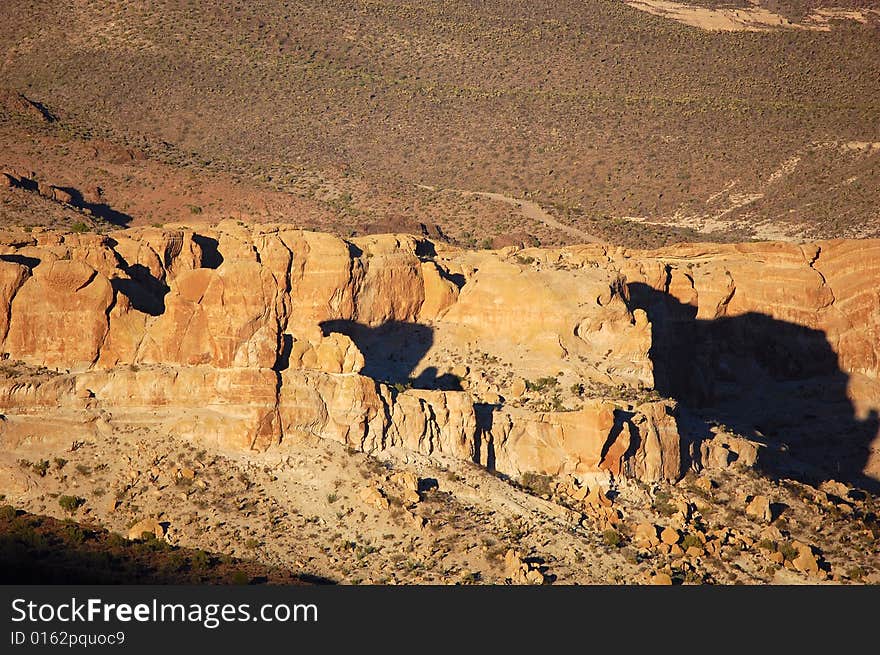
column 253, row 337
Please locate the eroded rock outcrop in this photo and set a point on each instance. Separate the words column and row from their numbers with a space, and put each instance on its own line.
column 247, row 337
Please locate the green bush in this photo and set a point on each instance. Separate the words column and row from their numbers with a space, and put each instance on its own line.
column 788, row 551
column 542, row 384
column 116, row 540
column 201, row 560
column 691, row 540
column 71, row 503
column 663, row 504
column 612, row 538
column 73, row 533
column 537, row 483
column 79, row 227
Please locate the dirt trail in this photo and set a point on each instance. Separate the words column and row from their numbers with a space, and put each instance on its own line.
column 529, row 209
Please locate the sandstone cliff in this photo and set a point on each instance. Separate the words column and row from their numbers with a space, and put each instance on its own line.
column 533, row 360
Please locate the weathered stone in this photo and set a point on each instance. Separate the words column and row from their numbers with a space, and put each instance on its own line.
column 149, row 526
column 759, row 508
column 646, row 535
column 704, row 483
column 806, row 563
column 694, row 551
column 517, row 388
column 246, row 337
column 661, row 579
column 670, row 536
column 374, row 498
column 61, row 195
column 535, row 577
column 513, row 563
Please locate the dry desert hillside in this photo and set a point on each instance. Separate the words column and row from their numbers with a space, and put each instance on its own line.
column 445, row 292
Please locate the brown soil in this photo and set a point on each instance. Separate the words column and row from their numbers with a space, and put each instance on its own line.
column 619, row 123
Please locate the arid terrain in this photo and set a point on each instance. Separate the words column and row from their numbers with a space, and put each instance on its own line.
column 389, row 409
column 445, row 293
column 624, row 124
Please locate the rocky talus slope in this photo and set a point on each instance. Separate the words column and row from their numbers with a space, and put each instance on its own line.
column 589, row 361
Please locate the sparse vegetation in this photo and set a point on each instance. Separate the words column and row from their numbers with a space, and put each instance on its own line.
column 663, row 504
column 70, row 503
column 537, row 483
column 612, row 538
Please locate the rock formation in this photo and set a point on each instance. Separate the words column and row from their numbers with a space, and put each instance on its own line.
column 248, row 337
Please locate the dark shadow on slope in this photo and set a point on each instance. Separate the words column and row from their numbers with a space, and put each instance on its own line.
column 393, row 350
column 776, row 382
column 37, row 549
column 98, row 209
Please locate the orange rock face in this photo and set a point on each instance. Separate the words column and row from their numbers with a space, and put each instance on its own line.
column 249, row 337
column 58, row 318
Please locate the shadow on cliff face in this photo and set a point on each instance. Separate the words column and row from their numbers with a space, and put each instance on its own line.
column 393, row 350
column 775, row 382
column 145, row 292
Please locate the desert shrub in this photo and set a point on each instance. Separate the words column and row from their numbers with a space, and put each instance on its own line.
column 116, row 540
column 71, row 503
column 79, row 227
column 542, row 384
column 200, row 560
column 537, row 483
column 691, row 540
column 7, row 513
column 73, row 534
column 612, row 538
column 176, row 561
column 663, row 504
column 788, row 551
